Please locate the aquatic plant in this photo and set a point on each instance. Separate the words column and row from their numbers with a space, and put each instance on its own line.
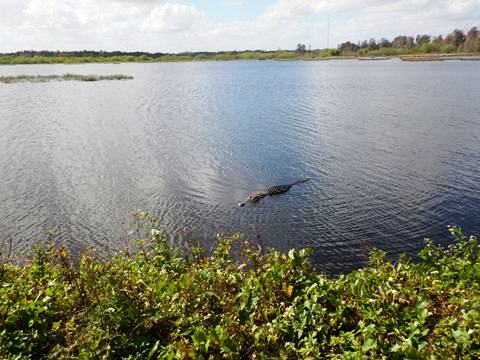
column 64, row 77
column 239, row 302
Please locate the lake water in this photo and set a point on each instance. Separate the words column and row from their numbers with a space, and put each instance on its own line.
column 392, row 150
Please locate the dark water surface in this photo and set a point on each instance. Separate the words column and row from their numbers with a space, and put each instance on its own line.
column 392, row 150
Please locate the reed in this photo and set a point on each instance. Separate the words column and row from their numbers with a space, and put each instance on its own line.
column 64, row 77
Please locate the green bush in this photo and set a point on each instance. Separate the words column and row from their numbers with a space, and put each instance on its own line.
column 431, row 48
column 448, row 48
column 239, row 302
column 388, row 52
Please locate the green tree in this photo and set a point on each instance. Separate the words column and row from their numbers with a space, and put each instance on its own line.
column 472, row 42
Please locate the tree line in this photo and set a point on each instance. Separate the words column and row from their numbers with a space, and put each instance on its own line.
column 135, row 54
column 456, row 41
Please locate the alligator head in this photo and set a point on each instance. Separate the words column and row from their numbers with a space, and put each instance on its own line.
column 254, row 198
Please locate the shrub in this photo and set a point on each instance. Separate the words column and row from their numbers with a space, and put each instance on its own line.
column 239, row 302
column 431, row 48
column 448, row 48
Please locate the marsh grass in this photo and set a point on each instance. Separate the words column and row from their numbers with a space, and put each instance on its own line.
column 64, row 77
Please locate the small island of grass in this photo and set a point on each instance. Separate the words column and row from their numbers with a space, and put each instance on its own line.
column 64, row 77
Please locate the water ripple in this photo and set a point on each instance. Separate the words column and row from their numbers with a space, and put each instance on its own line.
column 392, row 152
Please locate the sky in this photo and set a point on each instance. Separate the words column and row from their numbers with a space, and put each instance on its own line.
column 214, row 25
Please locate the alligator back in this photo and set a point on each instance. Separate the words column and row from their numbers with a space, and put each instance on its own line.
column 280, row 189
column 272, row 190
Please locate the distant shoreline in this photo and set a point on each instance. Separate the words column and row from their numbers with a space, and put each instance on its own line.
column 232, row 56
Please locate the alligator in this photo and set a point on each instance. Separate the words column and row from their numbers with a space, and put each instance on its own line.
column 272, row 190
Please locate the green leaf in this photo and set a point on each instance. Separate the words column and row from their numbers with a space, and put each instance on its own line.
column 460, row 336
column 199, row 336
column 369, row 344
column 154, row 350
column 229, row 346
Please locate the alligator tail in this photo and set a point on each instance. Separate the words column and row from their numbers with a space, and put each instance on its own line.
column 299, row 182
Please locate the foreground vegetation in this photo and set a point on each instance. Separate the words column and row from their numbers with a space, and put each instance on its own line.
column 64, row 77
column 240, row 303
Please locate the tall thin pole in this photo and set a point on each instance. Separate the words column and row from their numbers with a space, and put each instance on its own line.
column 328, row 33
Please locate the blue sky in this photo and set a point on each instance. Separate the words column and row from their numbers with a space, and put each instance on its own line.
column 212, row 25
column 231, row 10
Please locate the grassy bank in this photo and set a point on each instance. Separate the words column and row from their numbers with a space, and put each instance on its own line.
column 229, row 56
column 64, row 77
column 53, row 58
column 240, row 302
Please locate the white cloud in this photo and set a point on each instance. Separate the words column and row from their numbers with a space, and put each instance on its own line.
column 167, row 25
column 49, row 14
column 284, row 9
column 410, row 17
column 171, row 17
